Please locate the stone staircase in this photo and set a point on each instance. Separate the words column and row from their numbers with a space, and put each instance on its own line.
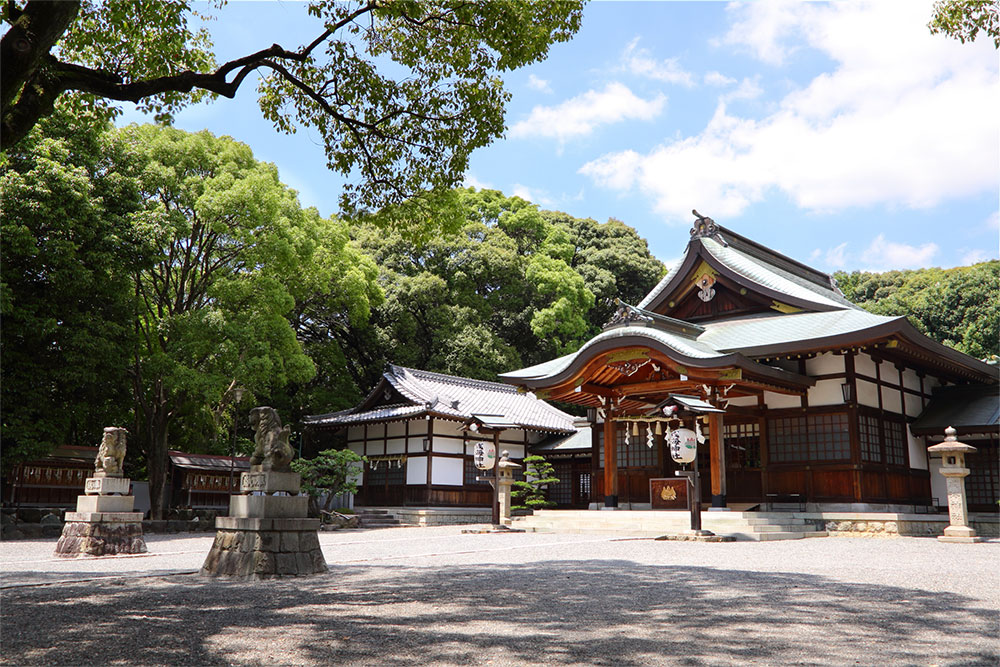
column 376, row 518
column 758, row 526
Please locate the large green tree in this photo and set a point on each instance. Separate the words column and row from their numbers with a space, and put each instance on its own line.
column 401, row 91
column 959, row 307
column 231, row 249
column 68, row 254
column 513, row 286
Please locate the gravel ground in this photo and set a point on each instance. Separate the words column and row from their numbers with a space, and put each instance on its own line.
column 436, row 596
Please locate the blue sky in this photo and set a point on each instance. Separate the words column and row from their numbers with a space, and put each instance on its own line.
column 843, row 135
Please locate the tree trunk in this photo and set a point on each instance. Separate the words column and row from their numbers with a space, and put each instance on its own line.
column 157, row 460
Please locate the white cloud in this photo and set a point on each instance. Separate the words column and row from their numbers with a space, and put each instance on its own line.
column 718, row 79
column 835, row 256
column 533, row 195
column 993, row 222
column 903, row 118
column 470, row 181
column 762, row 26
column 747, row 90
column 580, row 115
column 975, row 256
column 541, row 85
column 641, row 63
column 884, row 255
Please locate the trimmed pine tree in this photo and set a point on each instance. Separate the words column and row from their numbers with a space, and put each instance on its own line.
column 538, row 474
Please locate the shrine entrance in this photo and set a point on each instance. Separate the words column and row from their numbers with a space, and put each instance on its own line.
column 627, row 373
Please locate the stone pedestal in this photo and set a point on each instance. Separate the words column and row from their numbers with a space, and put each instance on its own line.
column 103, row 524
column 266, row 536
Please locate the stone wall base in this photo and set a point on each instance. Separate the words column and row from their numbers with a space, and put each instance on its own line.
column 101, row 538
column 247, row 548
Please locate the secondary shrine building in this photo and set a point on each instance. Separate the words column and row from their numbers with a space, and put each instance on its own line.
column 817, row 397
column 417, row 431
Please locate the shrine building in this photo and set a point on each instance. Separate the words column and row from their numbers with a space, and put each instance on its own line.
column 417, row 431
column 810, row 399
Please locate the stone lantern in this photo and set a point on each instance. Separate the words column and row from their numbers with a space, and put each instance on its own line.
column 505, row 477
column 953, row 468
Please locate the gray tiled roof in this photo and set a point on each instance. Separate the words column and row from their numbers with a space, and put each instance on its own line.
column 760, row 266
column 777, row 328
column 969, row 408
column 456, row 397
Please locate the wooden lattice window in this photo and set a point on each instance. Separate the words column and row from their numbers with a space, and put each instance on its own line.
column 868, row 432
column 895, row 442
column 743, row 443
column 820, row 437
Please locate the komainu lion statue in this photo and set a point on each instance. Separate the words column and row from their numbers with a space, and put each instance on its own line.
column 111, row 453
column 272, row 451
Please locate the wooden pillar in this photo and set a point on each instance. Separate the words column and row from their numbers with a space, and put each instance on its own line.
column 717, row 449
column 610, row 463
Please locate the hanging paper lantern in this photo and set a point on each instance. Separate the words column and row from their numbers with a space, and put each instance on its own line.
column 635, row 429
column 683, row 445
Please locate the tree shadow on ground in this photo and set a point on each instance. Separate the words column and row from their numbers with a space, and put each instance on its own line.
column 552, row 612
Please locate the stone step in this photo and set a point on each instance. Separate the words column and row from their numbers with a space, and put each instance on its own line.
column 782, row 535
column 784, row 521
column 783, row 528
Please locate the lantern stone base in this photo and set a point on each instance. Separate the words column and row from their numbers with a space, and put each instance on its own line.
column 258, row 548
column 101, row 534
column 960, row 535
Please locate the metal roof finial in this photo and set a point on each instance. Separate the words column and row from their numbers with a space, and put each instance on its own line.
column 705, row 228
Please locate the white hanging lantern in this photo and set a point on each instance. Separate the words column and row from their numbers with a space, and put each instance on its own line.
column 683, row 445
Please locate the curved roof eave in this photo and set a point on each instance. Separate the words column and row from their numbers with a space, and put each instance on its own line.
column 636, row 339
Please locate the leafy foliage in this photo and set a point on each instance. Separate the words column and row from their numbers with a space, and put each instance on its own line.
column 67, row 257
column 513, row 286
column 401, row 92
column 331, row 473
column 538, row 474
column 963, row 19
column 959, row 307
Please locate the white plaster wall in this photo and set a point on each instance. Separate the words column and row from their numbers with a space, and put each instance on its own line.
column 776, row 401
column 911, row 380
column 416, row 470
column 863, row 364
column 891, row 401
column 446, row 471
column 442, row 427
column 357, row 472
column 415, row 444
column 376, row 431
column 824, row 364
column 396, row 446
column 888, row 372
column 448, row 445
column 826, row 392
column 355, row 432
column 867, row 393
column 918, row 452
column 396, row 429
column 515, row 451
column 357, row 447
column 418, row 426
column 914, row 405
column 748, row 401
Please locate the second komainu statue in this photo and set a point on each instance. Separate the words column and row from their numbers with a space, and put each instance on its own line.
column 272, row 451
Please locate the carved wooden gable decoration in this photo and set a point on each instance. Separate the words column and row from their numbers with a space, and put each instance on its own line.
column 725, row 275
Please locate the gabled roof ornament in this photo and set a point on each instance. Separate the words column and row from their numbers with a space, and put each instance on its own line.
column 627, row 314
column 705, row 228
